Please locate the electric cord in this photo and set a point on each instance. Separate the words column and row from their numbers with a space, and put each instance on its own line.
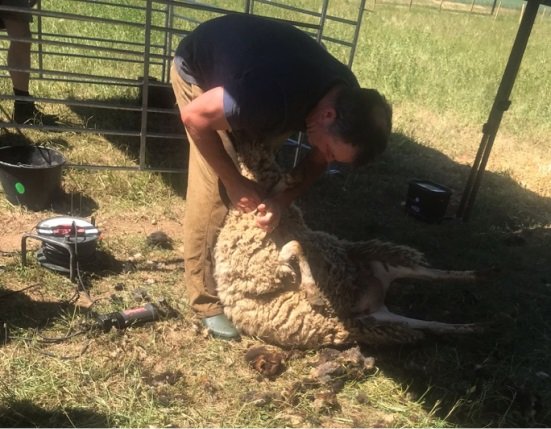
column 41, row 339
column 56, row 340
column 59, row 256
column 81, row 287
column 84, row 257
column 64, row 357
column 55, row 253
column 13, row 292
column 85, row 328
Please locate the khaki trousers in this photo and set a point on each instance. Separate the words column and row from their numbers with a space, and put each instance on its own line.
column 204, row 215
column 206, row 209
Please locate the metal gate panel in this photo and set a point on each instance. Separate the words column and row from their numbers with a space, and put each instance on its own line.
column 80, row 63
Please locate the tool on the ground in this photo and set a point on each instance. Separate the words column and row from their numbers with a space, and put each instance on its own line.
column 129, row 317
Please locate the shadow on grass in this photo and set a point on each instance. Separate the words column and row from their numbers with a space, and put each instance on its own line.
column 24, row 413
column 74, row 204
column 22, row 312
column 502, row 378
column 35, row 307
column 160, row 152
column 499, row 379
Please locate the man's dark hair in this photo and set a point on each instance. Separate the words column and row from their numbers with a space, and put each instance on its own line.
column 364, row 120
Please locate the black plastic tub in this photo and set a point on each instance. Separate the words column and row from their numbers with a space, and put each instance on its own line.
column 31, row 175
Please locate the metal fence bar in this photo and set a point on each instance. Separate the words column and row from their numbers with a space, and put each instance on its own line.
column 61, row 128
column 72, row 16
column 100, row 78
column 121, row 168
column 76, row 45
column 96, row 39
column 88, row 103
column 112, row 82
column 145, row 87
column 198, row 6
column 104, row 131
column 90, row 57
column 39, row 27
column 322, row 18
column 167, row 48
column 115, row 4
column 291, row 8
column 309, row 12
column 356, row 33
column 337, row 41
column 71, row 102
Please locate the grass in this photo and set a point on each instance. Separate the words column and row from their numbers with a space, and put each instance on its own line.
column 441, row 71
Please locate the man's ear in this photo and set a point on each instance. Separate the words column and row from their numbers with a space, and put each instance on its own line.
column 328, row 115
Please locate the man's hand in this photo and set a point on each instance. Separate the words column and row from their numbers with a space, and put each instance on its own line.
column 269, row 215
column 245, row 195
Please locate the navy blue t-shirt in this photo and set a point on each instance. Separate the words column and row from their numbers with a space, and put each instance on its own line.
column 272, row 73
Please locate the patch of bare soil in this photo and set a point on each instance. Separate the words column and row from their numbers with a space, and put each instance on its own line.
column 15, row 224
column 140, row 223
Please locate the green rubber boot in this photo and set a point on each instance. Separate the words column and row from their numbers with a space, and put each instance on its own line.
column 220, row 326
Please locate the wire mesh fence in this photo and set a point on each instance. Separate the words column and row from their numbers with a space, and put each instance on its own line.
column 485, row 7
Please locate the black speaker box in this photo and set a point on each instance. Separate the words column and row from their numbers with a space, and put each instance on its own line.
column 427, row 200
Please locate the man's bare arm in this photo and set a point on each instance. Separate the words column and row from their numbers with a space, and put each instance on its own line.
column 203, row 117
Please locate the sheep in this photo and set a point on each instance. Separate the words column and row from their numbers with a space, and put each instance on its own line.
column 295, row 287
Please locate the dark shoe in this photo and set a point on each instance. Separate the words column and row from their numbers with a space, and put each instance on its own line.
column 220, row 326
column 25, row 112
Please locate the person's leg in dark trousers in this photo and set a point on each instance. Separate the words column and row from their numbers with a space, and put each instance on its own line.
column 17, row 25
column 204, row 215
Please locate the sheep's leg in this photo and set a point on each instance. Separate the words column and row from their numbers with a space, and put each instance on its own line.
column 385, row 317
column 376, row 280
column 372, row 296
column 426, row 273
column 388, row 273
